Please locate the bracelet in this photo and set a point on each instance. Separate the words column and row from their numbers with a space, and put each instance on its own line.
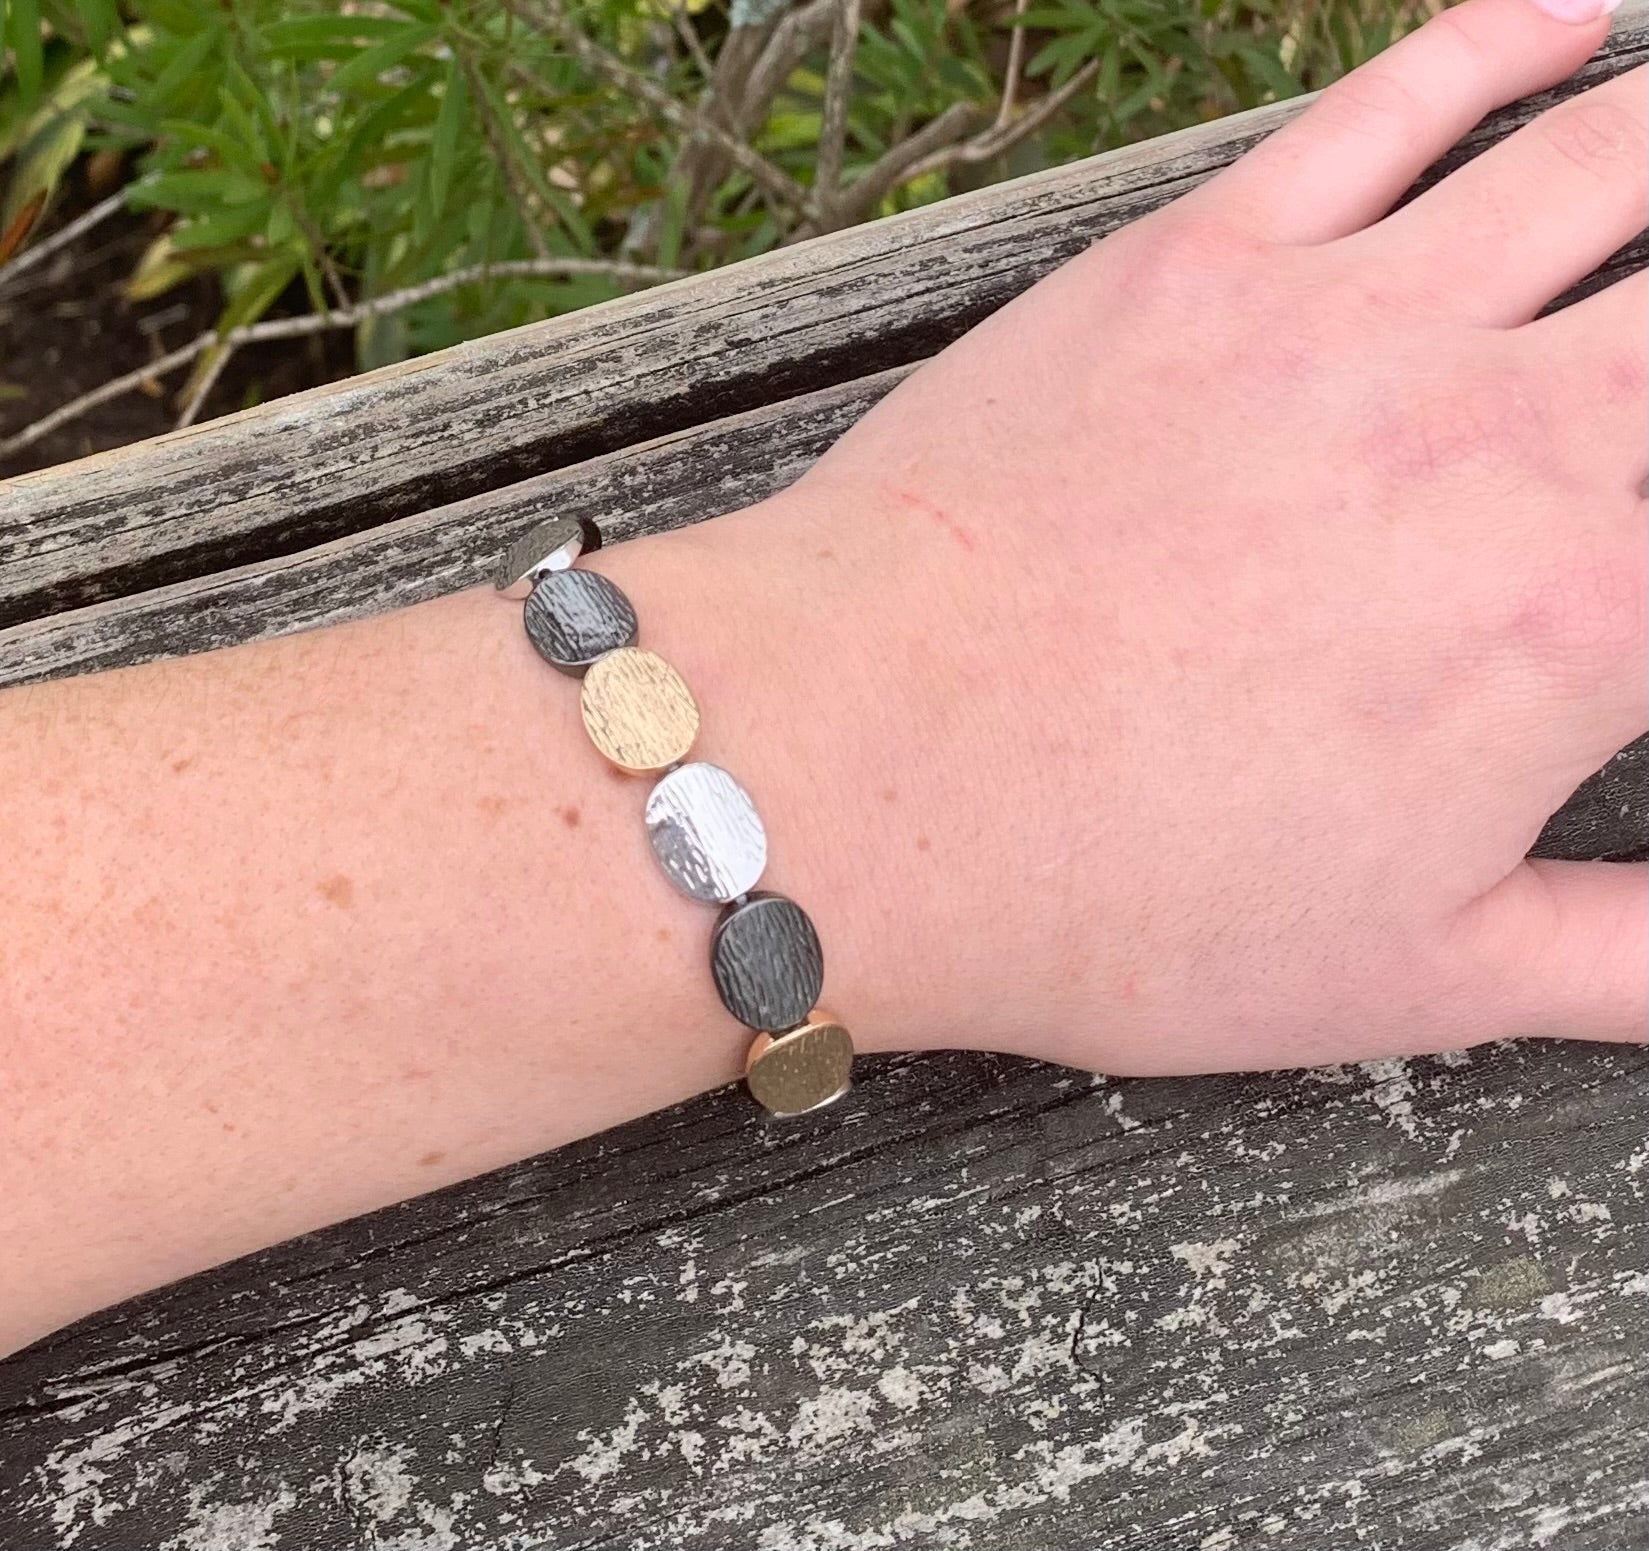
column 764, row 953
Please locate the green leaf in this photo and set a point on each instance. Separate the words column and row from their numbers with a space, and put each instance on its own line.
column 101, row 19
column 528, row 166
column 365, row 68
column 237, row 150
column 326, row 37
column 227, row 226
column 196, row 190
column 243, row 98
column 43, row 157
column 255, row 289
column 443, row 145
column 189, row 65
column 28, row 57
column 367, row 143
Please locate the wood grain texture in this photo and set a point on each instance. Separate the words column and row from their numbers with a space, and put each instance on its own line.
column 985, row 1305
column 307, row 469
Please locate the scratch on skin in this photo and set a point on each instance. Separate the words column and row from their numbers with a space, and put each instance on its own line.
column 937, row 515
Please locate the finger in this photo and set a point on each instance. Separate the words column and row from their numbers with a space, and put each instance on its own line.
column 1562, row 949
column 1531, row 216
column 1597, row 351
column 1350, row 156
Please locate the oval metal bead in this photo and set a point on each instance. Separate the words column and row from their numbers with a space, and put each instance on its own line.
column 706, row 833
column 805, row 1069
column 766, row 961
column 552, row 545
column 637, row 710
column 574, row 617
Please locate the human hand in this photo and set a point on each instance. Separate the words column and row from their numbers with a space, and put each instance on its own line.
column 1222, row 619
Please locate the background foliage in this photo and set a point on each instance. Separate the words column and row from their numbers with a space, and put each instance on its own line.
column 339, row 153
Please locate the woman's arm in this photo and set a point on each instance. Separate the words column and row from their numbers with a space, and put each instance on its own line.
column 1288, row 499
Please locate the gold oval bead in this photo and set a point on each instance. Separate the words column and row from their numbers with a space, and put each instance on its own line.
column 805, row 1069
column 638, row 711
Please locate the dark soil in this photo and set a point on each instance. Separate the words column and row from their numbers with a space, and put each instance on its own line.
column 65, row 328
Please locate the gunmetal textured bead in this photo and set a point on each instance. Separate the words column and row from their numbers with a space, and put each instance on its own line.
column 574, row 617
column 706, row 833
column 767, row 962
column 805, row 1069
column 547, row 546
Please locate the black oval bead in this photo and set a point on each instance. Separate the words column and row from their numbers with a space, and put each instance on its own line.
column 574, row 617
column 767, row 963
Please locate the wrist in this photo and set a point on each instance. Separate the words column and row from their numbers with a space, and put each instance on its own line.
column 838, row 707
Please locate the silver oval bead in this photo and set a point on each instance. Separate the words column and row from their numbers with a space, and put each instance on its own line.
column 548, row 546
column 706, row 833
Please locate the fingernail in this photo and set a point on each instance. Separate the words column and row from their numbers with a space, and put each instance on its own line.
column 1577, row 12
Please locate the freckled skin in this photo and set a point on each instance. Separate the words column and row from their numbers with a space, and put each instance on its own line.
column 1237, row 603
column 338, row 890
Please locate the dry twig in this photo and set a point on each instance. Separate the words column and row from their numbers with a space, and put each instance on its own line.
column 773, row 181
column 502, row 159
column 78, row 227
column 751, row 67
column 1016, row 63
column 1001, row 138
column 689, row 35
column 320, row 322
column 208, row 381
column 844, row 45
column 895, row 166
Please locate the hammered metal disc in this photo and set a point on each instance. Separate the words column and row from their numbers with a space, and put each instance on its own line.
column 802, row 1070
column 706, row 834
column 767, row 963
column 552, row 545
column 637, row 710
column 574, row 617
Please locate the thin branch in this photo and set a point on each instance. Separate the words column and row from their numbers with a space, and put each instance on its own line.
column 771, row 179
column 75, row 408
column 752, row 65
column 41, row 251
column 894, row 167
column 502, row 157
column 844, row 44
column 997, row 141
column 1016, row 62
column 797, row 32
column 208, row 381
column 321, row 322
column 409, row 296
column 689, row 35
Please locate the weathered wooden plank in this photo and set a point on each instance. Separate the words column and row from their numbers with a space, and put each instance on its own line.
column 307, row 469
column 673, row 480
column 998, row 1306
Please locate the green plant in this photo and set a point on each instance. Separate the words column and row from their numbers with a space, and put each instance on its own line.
column 548, row 157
